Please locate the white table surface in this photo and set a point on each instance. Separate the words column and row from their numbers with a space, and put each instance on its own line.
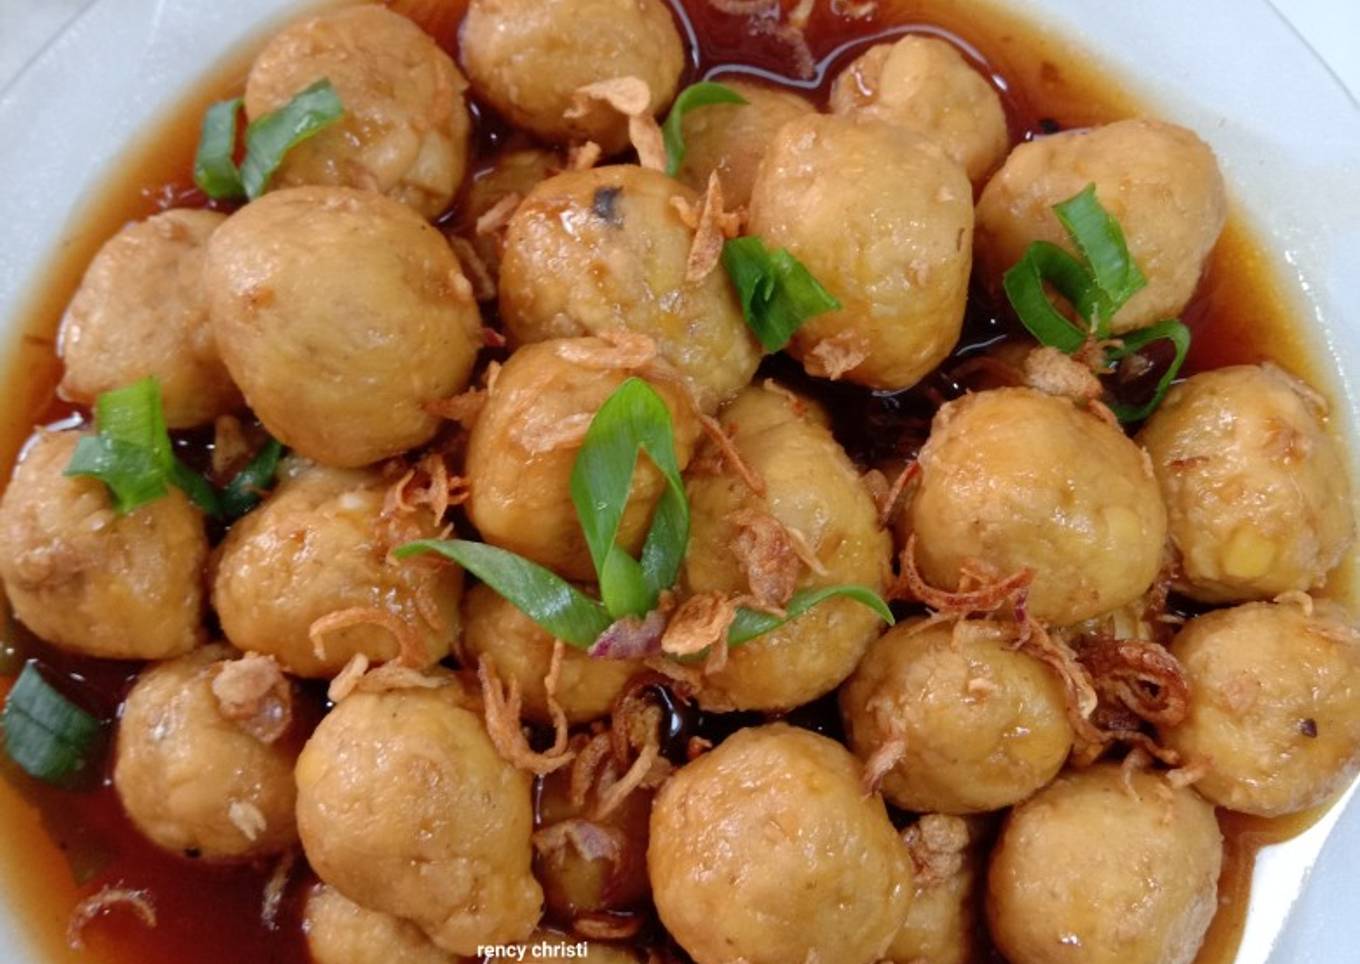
column 1332, row 29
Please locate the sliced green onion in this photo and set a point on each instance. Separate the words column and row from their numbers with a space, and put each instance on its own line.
column 701, row 94
column 777, row 292
column 270, row 137
column 1173, row 331
column 1024, row 285
column 542, row 595
column 751, row 623
column 1100, row 239
column 632, row 420
column 250, row 485
column 50, row 737
column 215, row 170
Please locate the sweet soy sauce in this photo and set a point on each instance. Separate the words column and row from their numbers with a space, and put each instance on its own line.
column 61, row 845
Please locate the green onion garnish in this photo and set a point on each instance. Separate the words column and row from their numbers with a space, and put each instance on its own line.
column 1096, row 284
column 751, row 623
column 50, row 737
column 245, row 490
column 268, row 139
column 701, row 94
column 777, row 293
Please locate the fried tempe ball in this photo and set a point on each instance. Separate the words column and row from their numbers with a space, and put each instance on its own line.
column 1159, row 181
column 590, row 251
column 524, row 443
column 1012, row 478
column 941, row 924
column 1107, row 868
column 521, row 650
column 1256, row 490
column 739, row 540
column 340, row 313
column 340, row 931
column 981, row 725
column 1274, row 704
column 318, row 546
column 405, row 807
column 89, row 580
column 925, row 85
column 404, row 132
column 528, row 58
column 731, row 139
column 766, row 850
column 513, row 175
column 884, row 220
column 141, row 310
column 196, row 780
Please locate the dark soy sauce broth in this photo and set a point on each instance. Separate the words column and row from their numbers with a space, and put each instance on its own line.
column 64, row 845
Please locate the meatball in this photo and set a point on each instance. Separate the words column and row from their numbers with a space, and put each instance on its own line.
column 91, row 581
column 1160, row 182
column 341, row 314
column 812, row 492
column 528, row 58
column 319, row 545
column 941, row 925
column 514, row 174
column 1122, row 867
column 1017, row 479
column 982, row 725
column 590, row 251
column 524, row 443
column 765, row 850
column 1256, row 490
column 193, row 779
column 521, row 651
column 141, row 310
column 884, row 220
column 1274, row 705
column 731, row 139
column 405, row 807
column 405, row 129
column 924, row 85
column 339, row 931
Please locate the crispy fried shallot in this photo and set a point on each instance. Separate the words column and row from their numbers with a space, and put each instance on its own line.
column 727, row 451
column 936, row 843
column 632, row 98
column 889, row 753
column 1140, row 676
column 699, row 622
column 463, row 408
column 766, row 555
column 973, row 596
column 712, row 226
column 274, row 889
column 496, row 217
column 888, row 497
column 1187, row 775
column 474, row 269
column 604, row 926
column 588, row 838
column 631, row 637
column 108, row 898
column 623, row 350
column 247, row 818
column 1053, row 372
column 254, row 694
column 582, row 157
column 504, row 726
column 344, row 682
column 410, row 651
column 835, row 356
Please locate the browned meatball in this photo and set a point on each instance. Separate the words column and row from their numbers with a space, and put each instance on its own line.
column 513, row 175
column 528, row 58
column 141, row 310
column 341, row 314
column 1121, row 866
column 405, row 129
column 941, row 925
column 1274, row 704
column 765, row 850
column 884, row 220
column 89, row 580
column 339, row 931
column 1256, row 490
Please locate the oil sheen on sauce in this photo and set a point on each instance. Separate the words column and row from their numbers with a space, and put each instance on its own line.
column 62, row 846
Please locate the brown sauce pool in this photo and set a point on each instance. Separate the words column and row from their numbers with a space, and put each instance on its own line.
column 63, row 845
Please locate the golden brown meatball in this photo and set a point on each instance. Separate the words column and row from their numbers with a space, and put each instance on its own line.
column 339, row 931
column 884, row 220
column 89, row 580
column 404, row 132
column 523, row 446
column 924, row 85
column 527, row 58
column 765, row 850
column 812, row 491
column 982, row 726
column 1160, row 182
column 404, row 807
column 1274, row 704
column 193, row 779
column 340, row 313
column 514, row 174
column 141, row 310
column 1095, row 870
column 941, row 924
column 318, row 546
column 591, row 251
column 521, row 650
column 1017, row 479
column 731, row 139
column 1256, row 490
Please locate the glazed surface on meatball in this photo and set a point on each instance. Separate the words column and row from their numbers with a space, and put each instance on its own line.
column 340, row 931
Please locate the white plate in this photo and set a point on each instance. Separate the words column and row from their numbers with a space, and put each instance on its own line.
column 1286, row 133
